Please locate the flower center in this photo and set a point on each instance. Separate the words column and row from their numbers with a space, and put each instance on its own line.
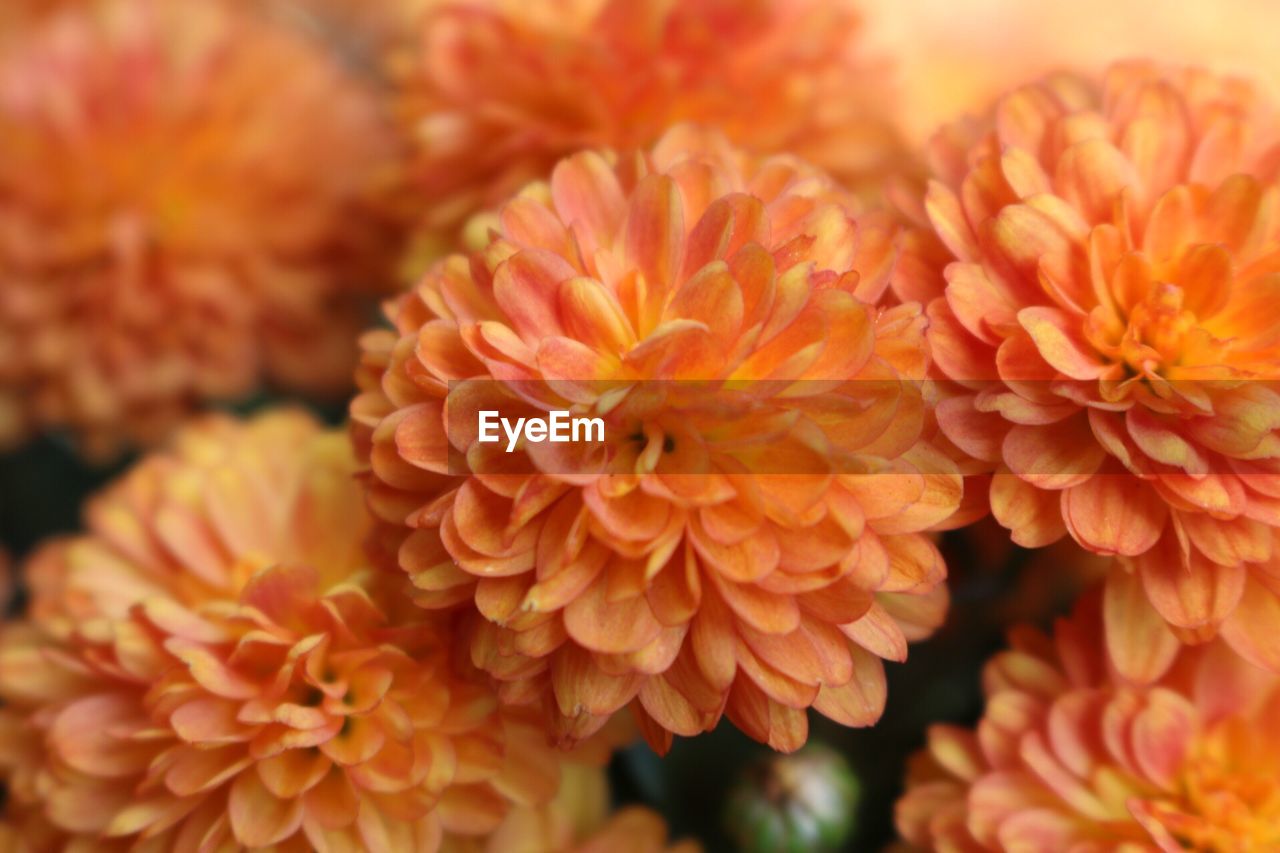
column 1230, row 794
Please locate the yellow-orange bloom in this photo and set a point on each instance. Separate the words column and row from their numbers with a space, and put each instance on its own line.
column 213, row 667
column 502, row 89
column 746, row 538
column 185, row 213
column 1112, row 264
column 1069, row 755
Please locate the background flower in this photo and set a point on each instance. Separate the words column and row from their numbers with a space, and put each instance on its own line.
column 212, row 664
column 502, row 89
column 185, row 213
column 1110, row 263
column 747, row 539
column 1068, row 753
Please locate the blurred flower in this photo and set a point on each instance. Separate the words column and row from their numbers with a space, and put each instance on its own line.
column 805, row 801
column 1112, row 261
column 185, row 212
column 502, row 89
column 1071, row 756
column 576, row 821
column 746, row 539
column 213, row 666
column 950, row 57
column 373, row 35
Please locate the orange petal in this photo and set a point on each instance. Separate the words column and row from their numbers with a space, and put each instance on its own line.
column 258, row 817
column 1114, row 514
column 1140, row 644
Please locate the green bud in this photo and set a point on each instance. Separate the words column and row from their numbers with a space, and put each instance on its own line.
column 801, row 803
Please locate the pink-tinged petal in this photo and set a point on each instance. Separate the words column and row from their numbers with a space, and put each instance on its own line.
column 1049, row 771
column 950, row 223
column 589, row 199
column 1059, row 339
column 606, row 626
column 591, row 313
column 710, row 297
column 208, row 721
column 1139, row 642
column 1001, row 795
column 1054, row 456
column 195, row 771
column 956, row 351
column 1162, row 736
column 762, row 610
column 258, row 817
column 879, row 634
column 527, row 288
column 1032, row 515
column 978, row 434
column 653, row 241
column 1091, row 174
column 1251, row 628
column 1160, row 439
column 726, row 226
column 1190, row 595
column 86, row 735
column 979, row 304
column 917, row 613
column 1114, row 514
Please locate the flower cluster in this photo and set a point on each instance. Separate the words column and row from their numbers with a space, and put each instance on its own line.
column 1099, row 291
column 694, row 225
column 212, row 664
column 503, row 89
column 723, row 314
column 172, row 231
column 1071, row 755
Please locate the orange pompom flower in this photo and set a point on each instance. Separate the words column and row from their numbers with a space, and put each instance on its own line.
column 747, row 536
column 186, row 211
column 1112, row 261
column 502, row 89
column 1069, row 755
column 213, row 667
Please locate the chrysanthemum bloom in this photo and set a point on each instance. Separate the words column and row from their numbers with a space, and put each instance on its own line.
column 1112, row 261
column 212, row 667
column 1070, row 756
column 747, row 535
column 186, row 204
column 576, row 821
column 502, row 89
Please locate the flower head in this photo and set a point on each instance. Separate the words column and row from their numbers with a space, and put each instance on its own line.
column 185, row 212
column 747, row 535
column 1112, row 259
column 1070, row 755
column 212, row 665
column 503, row 89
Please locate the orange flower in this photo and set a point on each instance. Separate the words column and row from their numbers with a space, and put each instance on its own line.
column 1071, row 756
column 184, row 206
column 212, row 667
column 576, row 822
column 747, row 536
column 503, row 89
column 1112, row 260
